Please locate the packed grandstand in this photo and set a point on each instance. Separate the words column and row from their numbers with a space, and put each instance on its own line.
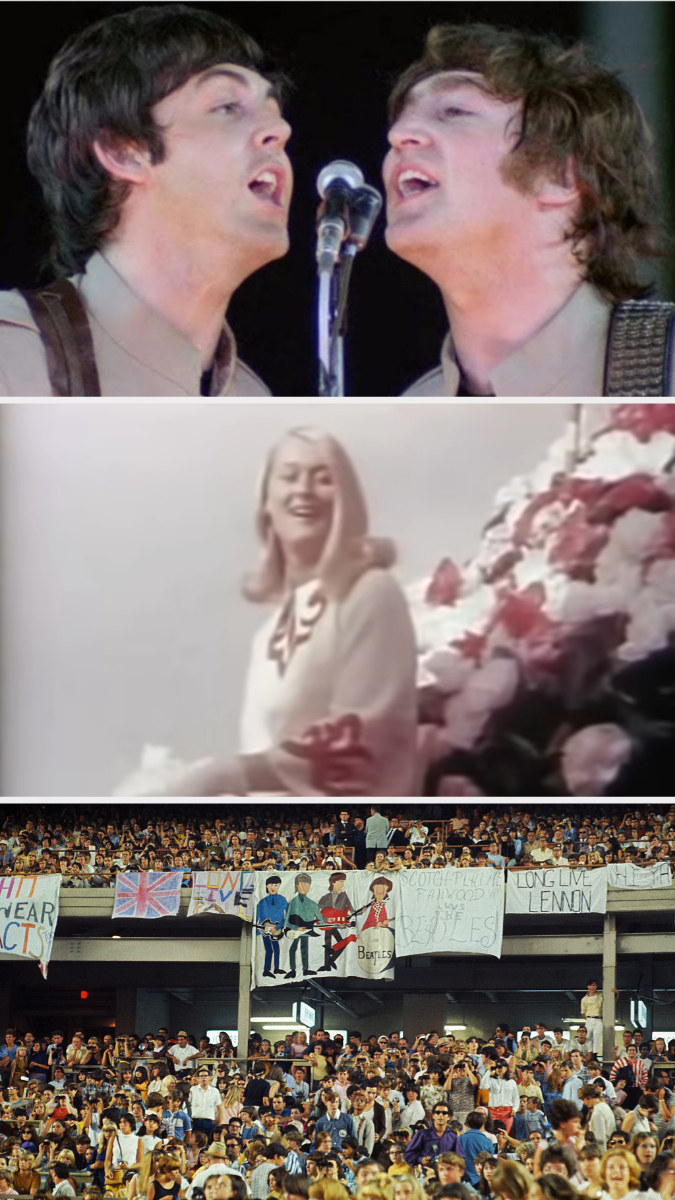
column 89, row 845
column 160, row 1114
column 527, row 1114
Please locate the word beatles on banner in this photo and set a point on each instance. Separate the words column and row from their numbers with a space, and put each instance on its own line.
column 323, row 923
column 627, row 875
column 29, row 909
column 147, row 894
column 459, row 910
column 557, row 890
column 226, row 893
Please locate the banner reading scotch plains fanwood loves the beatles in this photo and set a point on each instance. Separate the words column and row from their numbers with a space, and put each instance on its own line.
column 29, row 910
column 459, row 910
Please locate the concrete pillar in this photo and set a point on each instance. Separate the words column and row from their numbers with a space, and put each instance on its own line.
column 608, row 986
column 422, row 1013
column 125, row 1011
column 244, row 1008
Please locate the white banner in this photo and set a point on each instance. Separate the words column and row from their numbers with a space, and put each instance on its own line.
column 29, row 910
column 227, row 893
column 627, row 875
column 557, row 890
column 459, row 910
column 332, row 923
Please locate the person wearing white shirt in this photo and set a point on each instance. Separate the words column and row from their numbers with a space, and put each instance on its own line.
column 601, row 1120
column 412, row 1112
column 206, row 1108
column 417, row 833
column 182, row 1054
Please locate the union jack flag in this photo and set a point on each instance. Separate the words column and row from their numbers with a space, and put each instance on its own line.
column 147, row 894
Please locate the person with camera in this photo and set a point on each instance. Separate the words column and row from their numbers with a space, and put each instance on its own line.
column 462, row 1084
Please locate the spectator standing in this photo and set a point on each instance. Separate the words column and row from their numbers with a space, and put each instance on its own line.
column 206, row 1109
column 591, row 1014
column 377, row 829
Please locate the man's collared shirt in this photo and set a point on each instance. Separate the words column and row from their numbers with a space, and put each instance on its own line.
column 427, row 1143
column 566, row 357
column 137, row 351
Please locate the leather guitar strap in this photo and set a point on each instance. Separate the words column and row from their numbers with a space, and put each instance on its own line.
column 62, row 321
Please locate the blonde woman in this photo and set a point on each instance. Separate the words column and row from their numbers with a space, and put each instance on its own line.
column 329, row 1189
column 620, row 1175
column 26, row 1180
column 231, row 1102
column 329, row 706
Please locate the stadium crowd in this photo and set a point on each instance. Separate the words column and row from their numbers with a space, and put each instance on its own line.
column 532, row 1116
column 88, row 846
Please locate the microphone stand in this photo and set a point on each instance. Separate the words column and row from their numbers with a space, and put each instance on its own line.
column 340, row 239
column 332, row 321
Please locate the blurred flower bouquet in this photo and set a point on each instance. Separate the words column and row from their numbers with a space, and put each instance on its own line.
column 547, row 662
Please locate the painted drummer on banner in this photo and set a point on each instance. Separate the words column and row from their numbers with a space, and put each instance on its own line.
column 375, row 942
column 336, row 910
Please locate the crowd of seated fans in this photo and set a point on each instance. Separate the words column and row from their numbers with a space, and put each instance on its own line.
column 88, row 846
column 533, row 1116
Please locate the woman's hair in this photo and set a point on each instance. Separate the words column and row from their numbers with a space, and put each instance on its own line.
column 348, row 551
column 655, row 1170
column 413, row 1187
column 645, row 1136
column 232, row 1095
column 556, row 1187
column 330, row 1189
column 167, row 1162
column 629, row 1157
column 511, row 1180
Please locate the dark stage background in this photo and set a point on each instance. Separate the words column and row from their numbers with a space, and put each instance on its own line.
column 342, row 58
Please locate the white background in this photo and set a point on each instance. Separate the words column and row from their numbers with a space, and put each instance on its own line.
column 126, row 529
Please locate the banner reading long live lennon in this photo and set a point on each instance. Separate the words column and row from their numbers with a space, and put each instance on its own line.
column 557, row 890
column 459, row 910
column 226, row 893
column 29, row 910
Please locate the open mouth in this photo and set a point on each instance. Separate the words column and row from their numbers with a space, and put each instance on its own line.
column 268, row 185
column 307, row 512
column 414, row 182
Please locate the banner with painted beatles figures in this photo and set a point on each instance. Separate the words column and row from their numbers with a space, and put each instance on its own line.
column 330, row 923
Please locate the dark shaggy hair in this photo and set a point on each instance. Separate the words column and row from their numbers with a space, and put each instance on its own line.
column 572, row 109
column 105, row 81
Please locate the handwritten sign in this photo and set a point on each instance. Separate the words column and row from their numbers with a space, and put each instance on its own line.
column 29, row 910
column 226, row 893
column 332, row 923
column 459, row 910
column 557, row 890
column 627, row 875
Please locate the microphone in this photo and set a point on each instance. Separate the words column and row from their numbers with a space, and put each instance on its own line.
column 336, row 184
column 364, row 206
